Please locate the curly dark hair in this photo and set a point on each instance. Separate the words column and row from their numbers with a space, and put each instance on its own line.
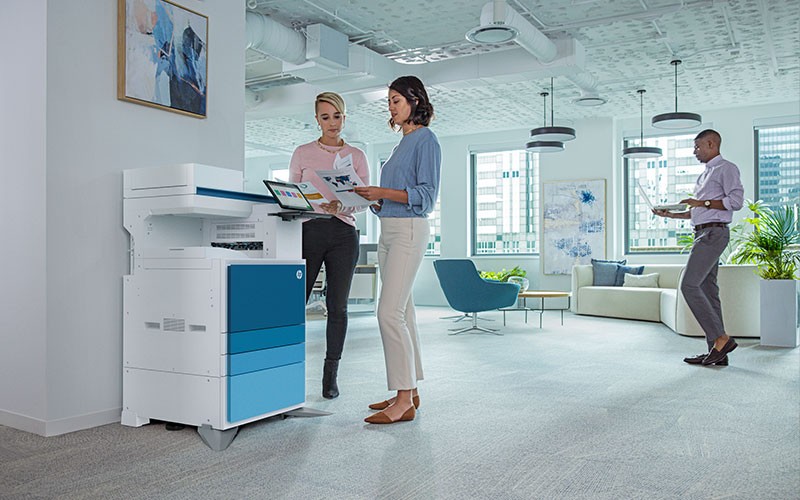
column 414, row 91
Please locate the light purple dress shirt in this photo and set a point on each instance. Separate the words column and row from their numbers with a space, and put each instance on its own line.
column 719, row 181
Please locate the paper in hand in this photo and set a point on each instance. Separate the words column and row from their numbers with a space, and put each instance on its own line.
column 341, row 182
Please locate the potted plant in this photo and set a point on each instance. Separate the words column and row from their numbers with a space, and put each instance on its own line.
column 515, row 275
column 773, row 244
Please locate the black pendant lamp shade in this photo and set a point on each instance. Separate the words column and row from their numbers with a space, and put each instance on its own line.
column 641, row 151
column 676, row 120
column 552, row 133
column 544, row 145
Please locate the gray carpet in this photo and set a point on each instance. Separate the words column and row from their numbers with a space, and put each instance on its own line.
column 597, row 408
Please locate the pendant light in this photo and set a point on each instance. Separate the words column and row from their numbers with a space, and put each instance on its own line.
column 552, row 133
column 641, row 151
column 542, row 146
column 676, row 120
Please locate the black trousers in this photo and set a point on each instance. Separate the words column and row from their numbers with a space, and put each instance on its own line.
column 334, row 243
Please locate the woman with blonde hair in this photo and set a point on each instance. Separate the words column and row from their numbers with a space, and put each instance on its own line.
column 332, row 241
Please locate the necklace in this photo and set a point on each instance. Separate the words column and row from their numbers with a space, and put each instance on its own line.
column 330, row 149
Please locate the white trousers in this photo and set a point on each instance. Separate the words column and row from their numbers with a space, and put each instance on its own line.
column 400, row 250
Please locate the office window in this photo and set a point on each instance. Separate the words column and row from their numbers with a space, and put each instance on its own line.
column 505, row 203
column 667, row 179
column 777, row 151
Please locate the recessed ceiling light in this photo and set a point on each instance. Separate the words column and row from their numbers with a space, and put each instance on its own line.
column 492, row 33
column 590, row 100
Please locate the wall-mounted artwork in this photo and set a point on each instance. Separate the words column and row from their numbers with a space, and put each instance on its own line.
column 574, row 224
column 162, row 56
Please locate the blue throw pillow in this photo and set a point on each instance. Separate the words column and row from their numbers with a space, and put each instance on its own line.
column 621, row 270
column 605, row 272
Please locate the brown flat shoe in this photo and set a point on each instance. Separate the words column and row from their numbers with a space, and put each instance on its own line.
column 385, row 404
column 381, row 418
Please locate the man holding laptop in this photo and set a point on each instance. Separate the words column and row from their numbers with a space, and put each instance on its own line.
column 719, row 193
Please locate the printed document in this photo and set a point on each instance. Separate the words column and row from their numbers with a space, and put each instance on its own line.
column 342, row 179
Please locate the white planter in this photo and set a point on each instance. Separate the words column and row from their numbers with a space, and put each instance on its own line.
column 779, row 313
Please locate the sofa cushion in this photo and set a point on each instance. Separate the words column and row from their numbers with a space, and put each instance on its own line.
column 619, row 280
column 643, row 281
column 605, row 272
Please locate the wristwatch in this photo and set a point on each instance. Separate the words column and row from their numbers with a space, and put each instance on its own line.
column 707, row 203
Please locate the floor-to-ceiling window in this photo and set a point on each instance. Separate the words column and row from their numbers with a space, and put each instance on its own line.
column 505, row 203
column 667, row 179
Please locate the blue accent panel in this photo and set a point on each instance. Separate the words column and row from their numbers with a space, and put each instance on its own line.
column 235, row 195
column 263, row 339
column 256, row 393
column 265, row 296
column 266, row 358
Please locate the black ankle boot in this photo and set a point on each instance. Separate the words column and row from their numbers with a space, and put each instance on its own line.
column 329, row 388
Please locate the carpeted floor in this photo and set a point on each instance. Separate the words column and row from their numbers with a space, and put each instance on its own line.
column 597, row 409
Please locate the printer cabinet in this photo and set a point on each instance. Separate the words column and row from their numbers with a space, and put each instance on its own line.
column 213, row 341
column 266, row 339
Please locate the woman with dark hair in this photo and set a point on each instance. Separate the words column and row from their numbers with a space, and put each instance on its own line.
column 333, row 241
column 407, row 193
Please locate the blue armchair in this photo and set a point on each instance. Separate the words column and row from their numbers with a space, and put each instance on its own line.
column 467, row 292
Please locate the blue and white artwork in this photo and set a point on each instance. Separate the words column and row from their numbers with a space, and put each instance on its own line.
column 165, row 56
column 574, row 224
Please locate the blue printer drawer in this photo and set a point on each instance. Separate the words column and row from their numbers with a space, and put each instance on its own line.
column 265, row 296
column 253, row 361
column 254, row 340
column 256, row 393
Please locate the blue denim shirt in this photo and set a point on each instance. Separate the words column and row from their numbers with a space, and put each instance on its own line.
column 414, row 166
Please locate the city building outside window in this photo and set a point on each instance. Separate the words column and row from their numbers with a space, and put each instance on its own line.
column 667, row 179
column 505, row 202
column 778, row 165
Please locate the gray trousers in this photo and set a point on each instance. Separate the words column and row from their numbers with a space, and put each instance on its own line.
column 699, row 285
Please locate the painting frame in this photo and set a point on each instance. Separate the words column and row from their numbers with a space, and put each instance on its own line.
column 573, row 224
column 162, row 56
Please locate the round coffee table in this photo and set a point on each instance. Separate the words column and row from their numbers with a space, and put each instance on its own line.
column 538, row 294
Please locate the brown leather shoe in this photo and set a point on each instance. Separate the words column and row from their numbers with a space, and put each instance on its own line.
column 382, row 418
column 385, row 404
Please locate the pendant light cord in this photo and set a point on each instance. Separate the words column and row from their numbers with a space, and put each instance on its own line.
column 641, row 117
column 552, row 124
column 675, row 63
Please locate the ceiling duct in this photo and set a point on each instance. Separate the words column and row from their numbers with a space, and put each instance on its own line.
column 499, row 22
column 270, row 37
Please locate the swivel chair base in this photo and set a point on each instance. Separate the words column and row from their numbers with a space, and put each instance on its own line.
column 474, row 327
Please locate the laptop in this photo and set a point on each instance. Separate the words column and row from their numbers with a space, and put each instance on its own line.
column 672, row 207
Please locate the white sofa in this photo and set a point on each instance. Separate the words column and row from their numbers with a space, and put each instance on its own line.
column 739, row 294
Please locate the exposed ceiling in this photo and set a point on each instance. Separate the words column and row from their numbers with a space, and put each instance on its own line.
column 734, row 53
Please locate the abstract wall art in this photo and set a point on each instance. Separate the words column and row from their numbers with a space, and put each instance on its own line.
column 574, row 224
column 162, row 56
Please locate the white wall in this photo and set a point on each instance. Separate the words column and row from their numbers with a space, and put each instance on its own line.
column 23, row 202
column 90, row 138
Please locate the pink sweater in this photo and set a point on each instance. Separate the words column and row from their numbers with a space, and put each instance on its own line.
column 308, row 158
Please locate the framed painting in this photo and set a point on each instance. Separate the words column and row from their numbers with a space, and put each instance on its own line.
column 573, row 224
column 162, row 56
